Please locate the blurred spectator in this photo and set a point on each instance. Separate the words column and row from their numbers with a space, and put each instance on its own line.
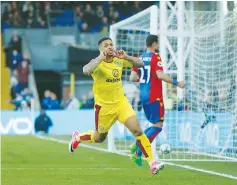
column 54, row 102
column 89, row 17
column 17, row 101
column 29, row 23
column 43, row 24
column 19, row 14
column 15, row 7
column 14, row 85
column 104, row 30
column 125, row 9
column 115, row 17
column 90, row 100
column 47, row 6
column 112, row 22
column 84, row 28
column 39, row 23
column 26, row 58
column 136, row 7
column 79, row 17
column 30, row 15
column 47, row 9
column 181, row 105
column 72, row 102
column 87, row 102
column 15, row 60
column 17, row 20
column 39, row 9
column 43, row 123
column 27, row 95
column 23, row 73
column 83, row 101
column 110, row 12
column 5, row 15
column 105, row 23
column 16, row 42
column 7, row 23
column 46, row 101
column 99, row 11
column 27, row 7
column 24, row 106
column 79, row 13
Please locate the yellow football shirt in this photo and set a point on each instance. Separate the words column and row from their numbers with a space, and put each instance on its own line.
column 107, row 85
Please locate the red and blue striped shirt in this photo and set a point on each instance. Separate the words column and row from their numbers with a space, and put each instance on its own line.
column 150, row 84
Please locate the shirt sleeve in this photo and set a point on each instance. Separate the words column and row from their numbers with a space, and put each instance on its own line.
column 127, row 64
column 159, row 65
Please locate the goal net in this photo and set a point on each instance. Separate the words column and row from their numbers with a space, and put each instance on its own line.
column 201, row 121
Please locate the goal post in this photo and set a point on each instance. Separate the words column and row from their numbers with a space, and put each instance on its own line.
column 148, row 24
column 200, row 48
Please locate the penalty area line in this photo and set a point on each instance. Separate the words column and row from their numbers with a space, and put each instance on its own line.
column 169, row 163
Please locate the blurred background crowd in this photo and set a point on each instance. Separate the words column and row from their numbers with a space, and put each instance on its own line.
column 38, row 21
column 89, row 17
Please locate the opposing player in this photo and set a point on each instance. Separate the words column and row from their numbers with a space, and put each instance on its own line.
column 110, row 101
column 150, row 77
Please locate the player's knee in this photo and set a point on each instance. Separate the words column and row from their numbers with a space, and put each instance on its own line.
column 137, row 132
column 100, row 139
column 158, row 124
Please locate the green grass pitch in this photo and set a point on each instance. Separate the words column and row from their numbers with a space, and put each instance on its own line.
column 32, row 161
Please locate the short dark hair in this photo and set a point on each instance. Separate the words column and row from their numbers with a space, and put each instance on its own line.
column 151, row 39
column 103, row 39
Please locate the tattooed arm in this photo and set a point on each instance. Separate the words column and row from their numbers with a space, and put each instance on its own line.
column 89, row 68
column 137, row 62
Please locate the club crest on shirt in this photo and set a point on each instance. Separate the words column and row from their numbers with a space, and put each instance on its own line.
column 158, row 57
column 118, row 63
column 101, row 129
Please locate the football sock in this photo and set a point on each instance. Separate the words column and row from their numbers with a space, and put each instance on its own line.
column 147, row 130
column 144, row 144
column 151, row 133
column 86, row 137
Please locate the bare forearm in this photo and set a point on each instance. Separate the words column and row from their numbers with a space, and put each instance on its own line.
column 135, row 61
column 164, row 77
column 167, row 79
column 133, row 77
column 92, row 65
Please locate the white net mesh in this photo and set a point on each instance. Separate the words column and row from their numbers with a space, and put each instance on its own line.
column 203, row 124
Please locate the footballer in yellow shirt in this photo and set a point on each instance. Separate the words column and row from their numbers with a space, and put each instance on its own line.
column 110, row 102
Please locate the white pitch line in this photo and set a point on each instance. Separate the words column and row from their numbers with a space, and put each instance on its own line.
column 171, row 164
column 10, row 169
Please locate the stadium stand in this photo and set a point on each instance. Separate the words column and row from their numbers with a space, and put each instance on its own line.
column 90, row 17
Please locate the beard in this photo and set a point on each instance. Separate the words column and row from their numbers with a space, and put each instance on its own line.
column 110, row 53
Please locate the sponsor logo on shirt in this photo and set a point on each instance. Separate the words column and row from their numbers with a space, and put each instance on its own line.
column 113, row 80
column 115, row 72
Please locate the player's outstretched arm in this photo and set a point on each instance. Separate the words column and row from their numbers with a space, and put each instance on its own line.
column 134, row 77
column 137, row 62
column 161, row 75
column 93, row 64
